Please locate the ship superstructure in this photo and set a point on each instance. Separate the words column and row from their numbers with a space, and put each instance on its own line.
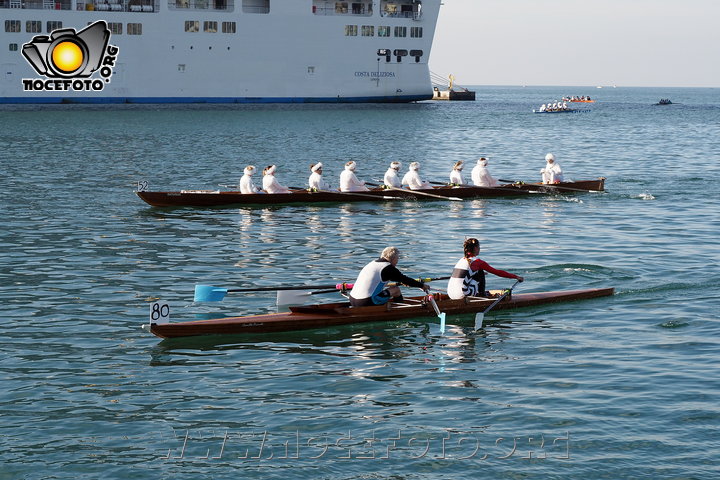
column 177, row 51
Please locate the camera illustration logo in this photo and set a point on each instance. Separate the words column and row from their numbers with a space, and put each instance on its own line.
column 68, row 59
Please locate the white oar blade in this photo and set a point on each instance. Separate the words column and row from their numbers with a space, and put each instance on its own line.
column 442, row 322
column 291, row 297
column 479, row 317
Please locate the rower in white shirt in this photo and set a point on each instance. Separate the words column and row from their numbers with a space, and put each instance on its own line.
column 349, row 181
column 412, row 178
column 391, row 178
column 270, row 183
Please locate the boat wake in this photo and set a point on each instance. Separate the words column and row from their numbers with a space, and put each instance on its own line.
column 646, row 196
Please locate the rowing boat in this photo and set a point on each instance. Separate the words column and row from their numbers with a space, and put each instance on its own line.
column 333, row 314
column 216, row 198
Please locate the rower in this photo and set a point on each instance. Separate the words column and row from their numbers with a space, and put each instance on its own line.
column 270, row 183
column 316, row 182
column 468, row 276
column 349, row 182
column 369, row 288
column 246, row 182
column 412, row 178
column 552, row 173
column 481, row 176
column 391, row 176
column 456, row 177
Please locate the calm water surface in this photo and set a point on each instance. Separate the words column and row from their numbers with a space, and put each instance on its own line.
column 619, row 387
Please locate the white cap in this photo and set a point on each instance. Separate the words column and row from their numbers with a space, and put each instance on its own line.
column 549, row 157
column 482, row 161
column 270, row 170
column 250, row 169
column 415, row 166
column 395, row 165
column 316, row 167
column 350, row 165
column 458, row 165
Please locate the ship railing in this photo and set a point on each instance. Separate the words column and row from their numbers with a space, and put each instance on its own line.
column 37, row 4
column 147, row 6
column 202, row 4
column 317, row 10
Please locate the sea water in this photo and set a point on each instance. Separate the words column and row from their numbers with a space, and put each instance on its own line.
column 615, row 387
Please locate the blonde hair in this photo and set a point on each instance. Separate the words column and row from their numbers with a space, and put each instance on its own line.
column 389, row 253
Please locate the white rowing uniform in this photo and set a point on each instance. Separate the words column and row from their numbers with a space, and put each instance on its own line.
column 271, row 185
column 456, row 177
column 391, row 178
column 481, row 176
column 316, row 181
column 247, row 185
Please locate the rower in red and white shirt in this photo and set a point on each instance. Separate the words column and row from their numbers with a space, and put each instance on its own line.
column 468, row 276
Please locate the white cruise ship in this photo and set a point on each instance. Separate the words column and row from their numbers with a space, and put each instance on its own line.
column 221, row 51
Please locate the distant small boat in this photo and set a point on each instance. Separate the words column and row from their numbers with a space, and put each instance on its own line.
column 664, row 101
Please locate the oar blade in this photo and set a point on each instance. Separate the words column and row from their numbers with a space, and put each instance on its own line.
column 207, row 293
column 442, row 322
column 479, row 317
column 291, row 297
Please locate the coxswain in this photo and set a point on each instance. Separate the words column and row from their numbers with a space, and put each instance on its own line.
column 246, row 181
column 270, row 183
column 456, row 177
column 391, row 176
column 468, row 276
column 316, row 182
column 552, row 173
column 543, row 107
column 481, row 176
column 370, row 286
column 412, row 178
column 349, row 182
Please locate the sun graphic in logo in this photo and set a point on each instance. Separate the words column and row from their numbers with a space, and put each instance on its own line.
column 67, row 56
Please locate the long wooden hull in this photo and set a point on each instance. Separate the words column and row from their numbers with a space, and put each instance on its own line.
column 333, row 314
column 201, row 198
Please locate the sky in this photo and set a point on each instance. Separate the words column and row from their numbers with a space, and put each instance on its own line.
column 647, row 43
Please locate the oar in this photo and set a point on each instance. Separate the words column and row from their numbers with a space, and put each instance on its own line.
column 441, row 315
column 418, row 192
column 285, row 297
column 481, row 316
column 207, row 293
column 360, row 194
column 570, row 189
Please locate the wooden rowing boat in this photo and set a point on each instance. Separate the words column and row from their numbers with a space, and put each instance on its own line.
column 207, row 198
column 332, row 314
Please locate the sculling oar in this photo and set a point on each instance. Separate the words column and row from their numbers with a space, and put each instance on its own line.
column 360, row 194
column 418, row 192
column 207, row 293
column 441, row 315
column 481, row 316
column 285, row 297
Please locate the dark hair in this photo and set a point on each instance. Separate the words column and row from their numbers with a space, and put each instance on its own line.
column 470, row 245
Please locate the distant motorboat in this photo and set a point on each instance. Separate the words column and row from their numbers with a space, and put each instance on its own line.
column 664, row 101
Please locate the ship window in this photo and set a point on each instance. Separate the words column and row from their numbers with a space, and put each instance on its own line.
column 134, row 28
column 383, row 31
column 229, row 27
column 53, row 25
column 416, row 32
column 341, row 7
column 33, row 26
column 358, row 8
column 351, row 30
column 12, row 25
column 368, row 30
column 13, row 47
column 256, row 6
column 401, row 31
column 192, row 26
column 416, row 53
column 210, row 27
column 115, row 28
